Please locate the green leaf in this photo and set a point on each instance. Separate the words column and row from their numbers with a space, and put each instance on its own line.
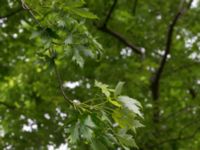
column 107, row 92
column 132, row 104
column 87, row 133
column 87, row 128
column 76, row 4
column 118, row 88
column 88, row 122
column 35, row 34
column 78, row 58
column 137, row 124
column 114, row 102
column 74, row 132
column 68, row 40
column 25, row 24
column 105, row 118
column 84, row 13
column 104, row 88
column 126, row 119
column 125, row 139
column 98, row 145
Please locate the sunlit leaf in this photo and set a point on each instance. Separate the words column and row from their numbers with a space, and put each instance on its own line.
column 84, row 13
column 131, row 104
column 118, row 88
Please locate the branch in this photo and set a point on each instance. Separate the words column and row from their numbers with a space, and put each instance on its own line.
column 26, row 7
column 58, row 76
column 7, row 105
column 110, row 13
column 135, row 6
column 157, row 77
column 104, row 27
column 51, row 51
column 11, row 14
column 122, row 39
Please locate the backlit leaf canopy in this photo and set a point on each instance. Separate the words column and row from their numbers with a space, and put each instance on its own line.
column 99, row 74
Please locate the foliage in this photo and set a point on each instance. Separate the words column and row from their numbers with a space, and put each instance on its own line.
column 58, row 32
column 62, row 64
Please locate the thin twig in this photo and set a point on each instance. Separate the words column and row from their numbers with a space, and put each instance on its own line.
column 26, row 7
column 52, row 53
column 59, row 79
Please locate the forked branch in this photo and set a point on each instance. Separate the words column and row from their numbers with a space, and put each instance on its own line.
column 104, row 27
column 155, row 85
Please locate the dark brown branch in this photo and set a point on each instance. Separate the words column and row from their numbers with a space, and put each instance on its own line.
column 110, row 13
column 156, row 79
column 192, row 92
column 11, row 14
column 135, row 6
column 7, row 105
column 104, row 27
column 122, row 39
